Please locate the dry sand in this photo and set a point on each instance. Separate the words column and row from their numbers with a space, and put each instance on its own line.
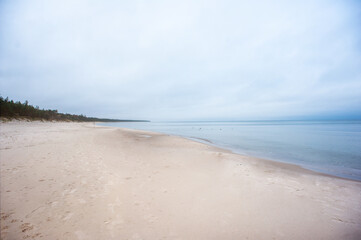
column 80, row 181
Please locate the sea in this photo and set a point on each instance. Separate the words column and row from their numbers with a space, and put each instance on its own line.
column 331, row 147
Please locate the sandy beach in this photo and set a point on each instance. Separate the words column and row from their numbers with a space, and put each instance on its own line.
column 81, row 181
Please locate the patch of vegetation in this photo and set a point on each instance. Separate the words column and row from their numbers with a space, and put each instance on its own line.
column 17, row 110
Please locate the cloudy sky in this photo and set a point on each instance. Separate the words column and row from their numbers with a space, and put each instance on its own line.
column 184, row 60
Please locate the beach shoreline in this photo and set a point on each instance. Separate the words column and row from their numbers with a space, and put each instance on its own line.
column 83, row 181
column 328, row 147
column 275, row 162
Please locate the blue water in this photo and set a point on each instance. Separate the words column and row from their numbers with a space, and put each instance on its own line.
column 332, row 147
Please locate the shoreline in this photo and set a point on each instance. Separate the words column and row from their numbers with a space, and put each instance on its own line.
column 274, row 162
column 84, row 181
column 278, row 163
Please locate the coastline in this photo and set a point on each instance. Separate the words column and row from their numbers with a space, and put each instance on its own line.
column 275, row 162
column 271, row 162
column 83, row 181
column 325, row 147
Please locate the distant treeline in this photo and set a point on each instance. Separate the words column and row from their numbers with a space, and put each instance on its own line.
column 10, row 110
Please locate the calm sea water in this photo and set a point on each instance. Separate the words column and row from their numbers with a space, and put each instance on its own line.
column 332, row 147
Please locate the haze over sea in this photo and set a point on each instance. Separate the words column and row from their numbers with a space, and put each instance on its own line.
column 331, row 147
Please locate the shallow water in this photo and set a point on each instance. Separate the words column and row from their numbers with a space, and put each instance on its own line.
column 332, row 147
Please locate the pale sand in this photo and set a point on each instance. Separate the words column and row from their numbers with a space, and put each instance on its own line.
column 79, row 181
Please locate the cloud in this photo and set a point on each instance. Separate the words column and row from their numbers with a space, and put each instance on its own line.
column 185, row 59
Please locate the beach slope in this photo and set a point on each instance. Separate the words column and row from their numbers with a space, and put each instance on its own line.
column 81, row 181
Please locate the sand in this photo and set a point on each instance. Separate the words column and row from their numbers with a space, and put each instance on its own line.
column 81, row 181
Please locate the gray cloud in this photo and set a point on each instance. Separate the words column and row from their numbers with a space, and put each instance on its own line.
column 183, row 59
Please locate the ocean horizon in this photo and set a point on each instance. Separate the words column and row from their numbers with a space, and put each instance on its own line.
column 332, row 147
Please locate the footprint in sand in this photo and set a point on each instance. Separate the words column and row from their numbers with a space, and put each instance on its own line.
column 26, row 227
column 5, row 216
column 4, row 228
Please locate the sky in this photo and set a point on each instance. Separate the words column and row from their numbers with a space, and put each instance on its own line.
column 184, row 60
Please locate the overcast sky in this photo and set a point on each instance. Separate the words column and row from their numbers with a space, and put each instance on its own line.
column 185, row 60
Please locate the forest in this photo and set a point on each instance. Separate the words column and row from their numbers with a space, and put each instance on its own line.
column 10, row 109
